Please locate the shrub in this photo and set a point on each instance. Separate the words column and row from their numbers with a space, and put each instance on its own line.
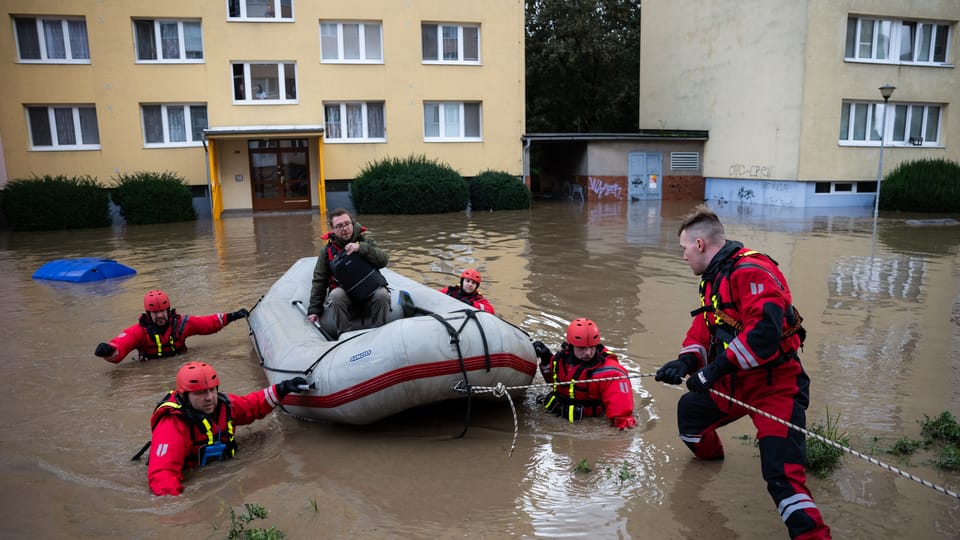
column 55, row 202
column 495, row 190
column 925, row 185
column 150, row 197
column 413, row 185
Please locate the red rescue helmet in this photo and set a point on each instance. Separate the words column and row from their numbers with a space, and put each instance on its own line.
column 583, row 333
column 156, row 300
column 471, row 274
column 196, row 376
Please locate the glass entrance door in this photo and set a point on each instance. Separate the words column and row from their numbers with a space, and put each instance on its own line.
column 280, row 174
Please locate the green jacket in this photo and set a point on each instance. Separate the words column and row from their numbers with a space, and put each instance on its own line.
column 323, row 277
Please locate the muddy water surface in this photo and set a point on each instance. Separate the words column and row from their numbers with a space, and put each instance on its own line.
column 882, row 351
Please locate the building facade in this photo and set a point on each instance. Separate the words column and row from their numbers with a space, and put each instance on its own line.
column 262, row 104
column 788, row 91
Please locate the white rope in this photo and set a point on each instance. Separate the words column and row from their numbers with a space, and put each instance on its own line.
column 501, row 390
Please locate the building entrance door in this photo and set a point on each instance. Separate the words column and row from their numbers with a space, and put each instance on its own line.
column 280, row 174
column 644, row 175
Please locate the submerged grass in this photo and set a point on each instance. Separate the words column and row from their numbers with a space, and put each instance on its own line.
column 823, row 458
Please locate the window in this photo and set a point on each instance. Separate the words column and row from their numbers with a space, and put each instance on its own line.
column 896, row 41
column 450, row 44
column 350, row 42
column 53, row 40
column 260, row 9
column 269, row 83
column 845, row 187
column 907, row 124
column 168, row 41
column 451, row 121
column 173, row 125
column 63, row 127
column 360, row 122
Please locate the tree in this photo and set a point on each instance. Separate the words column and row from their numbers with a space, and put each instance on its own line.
column 582, row 65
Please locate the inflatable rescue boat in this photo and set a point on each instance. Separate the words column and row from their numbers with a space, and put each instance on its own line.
column 432, row 348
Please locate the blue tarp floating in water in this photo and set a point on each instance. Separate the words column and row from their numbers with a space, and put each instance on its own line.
column 82, row 270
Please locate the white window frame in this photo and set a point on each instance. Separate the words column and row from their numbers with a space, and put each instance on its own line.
column 42, row 41
column 897, row 113
column 439, row 27
column 250, row 90
column 344, row 136
column 55, row 144
column 886, row 41
column 361, row 42
column 188, row 112
column 158, row 44
column 277, row 6
column 442, row 107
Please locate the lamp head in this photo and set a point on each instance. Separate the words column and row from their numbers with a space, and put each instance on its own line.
column 886, row 91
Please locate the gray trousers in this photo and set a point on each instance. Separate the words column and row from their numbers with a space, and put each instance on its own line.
column 338, row 311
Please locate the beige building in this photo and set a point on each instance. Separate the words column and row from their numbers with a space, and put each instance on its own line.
column 274, row 104
column 788, row 91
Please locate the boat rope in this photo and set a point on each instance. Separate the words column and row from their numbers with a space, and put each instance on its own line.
column 501, row 390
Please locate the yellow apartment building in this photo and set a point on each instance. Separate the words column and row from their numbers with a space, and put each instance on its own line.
column 788, row 90
column 261, row 105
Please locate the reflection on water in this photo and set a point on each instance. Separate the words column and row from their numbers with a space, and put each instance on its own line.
column 882, row 352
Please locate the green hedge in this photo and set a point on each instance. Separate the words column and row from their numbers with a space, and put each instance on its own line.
column 412, row 185
column 496, row 190
column 55, row 202
column 151, row 197
column 925, row 185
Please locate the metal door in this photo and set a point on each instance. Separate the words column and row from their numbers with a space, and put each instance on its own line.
column 644, row 175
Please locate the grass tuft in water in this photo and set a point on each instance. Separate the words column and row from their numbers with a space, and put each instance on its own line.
column 238, row 528
column 822, row 458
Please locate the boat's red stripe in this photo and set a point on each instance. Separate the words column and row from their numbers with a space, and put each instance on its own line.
column 409, row 373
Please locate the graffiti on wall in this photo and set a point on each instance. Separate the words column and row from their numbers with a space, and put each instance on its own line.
column 755, row 171
column 603, row 189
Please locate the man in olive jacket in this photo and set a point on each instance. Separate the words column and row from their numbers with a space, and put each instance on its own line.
column 330, row 302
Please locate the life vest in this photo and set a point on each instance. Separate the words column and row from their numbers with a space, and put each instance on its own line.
column 211, row 441
column 724, row 327
column 457, row 292
column 576, row 401
column 163, row 341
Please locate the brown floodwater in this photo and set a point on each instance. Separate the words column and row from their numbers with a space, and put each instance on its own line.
column 881, row 311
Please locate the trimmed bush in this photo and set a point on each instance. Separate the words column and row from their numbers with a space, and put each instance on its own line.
column 412, row 185
column 925, row 185
column 151, row 197
column 496, row 190
column 55, row 202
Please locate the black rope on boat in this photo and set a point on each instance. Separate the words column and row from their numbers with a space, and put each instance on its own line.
column 455, row 340
column 472, row 315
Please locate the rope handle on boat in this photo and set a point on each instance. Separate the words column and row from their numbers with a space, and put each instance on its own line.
column 500, row 390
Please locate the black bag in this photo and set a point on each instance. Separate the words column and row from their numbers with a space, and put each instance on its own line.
column 356, row 275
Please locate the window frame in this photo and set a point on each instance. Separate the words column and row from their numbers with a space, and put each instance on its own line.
column 460, row 43
column 902, row 112
column 894, row 41
column 188, row 113
column 278, row 7
column 361, row 42
column 249, row 84
column 158, row 42
column 77, row 126
column 342, row 122
column 442, row 121
column 69, row 57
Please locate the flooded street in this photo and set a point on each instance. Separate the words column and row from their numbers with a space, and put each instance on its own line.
column 882, row 315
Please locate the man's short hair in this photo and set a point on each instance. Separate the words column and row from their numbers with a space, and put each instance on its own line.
column 704, row 223
column 338, row 212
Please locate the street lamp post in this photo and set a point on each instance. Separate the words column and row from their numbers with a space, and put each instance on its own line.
column 886, row 91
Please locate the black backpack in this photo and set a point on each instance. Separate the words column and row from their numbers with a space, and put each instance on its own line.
column 356, row 275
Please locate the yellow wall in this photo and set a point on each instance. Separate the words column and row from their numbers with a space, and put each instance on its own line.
column 116, row 84
column 768, row 78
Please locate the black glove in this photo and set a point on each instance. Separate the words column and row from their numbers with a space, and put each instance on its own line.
column 105, row 350
column 704, row 379
column 543, row 353
column 673, row 372
column 290, row 385
column 241, row 313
